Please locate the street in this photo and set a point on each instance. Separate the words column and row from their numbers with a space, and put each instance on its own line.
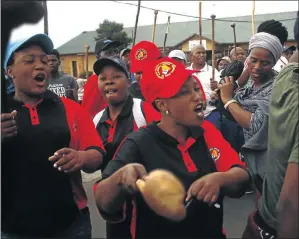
column 235, row 213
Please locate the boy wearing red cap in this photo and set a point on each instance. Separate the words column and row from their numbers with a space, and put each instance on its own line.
column 183, row 143
column 141, row 54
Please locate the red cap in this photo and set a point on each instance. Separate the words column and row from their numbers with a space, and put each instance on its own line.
column 163, row 79
column 142, row 53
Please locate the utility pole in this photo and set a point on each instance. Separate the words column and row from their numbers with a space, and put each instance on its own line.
column 46, row 30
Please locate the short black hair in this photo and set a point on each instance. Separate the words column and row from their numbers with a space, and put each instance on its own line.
column 274, row 28
column 56, row 53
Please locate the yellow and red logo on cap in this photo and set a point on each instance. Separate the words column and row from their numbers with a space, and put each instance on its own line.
column 164, row 69
column 215, row 153
column 141, row 54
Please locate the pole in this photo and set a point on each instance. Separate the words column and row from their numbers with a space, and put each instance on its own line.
column 46, row 28
column 86, row 60
column 252, row 17
column 235, row 38
column 166, row 33
column 154, row 27
column 213, row 46
column 200, row 24
column 136, row 22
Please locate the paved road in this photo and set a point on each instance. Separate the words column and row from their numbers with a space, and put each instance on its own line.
column 235, row 214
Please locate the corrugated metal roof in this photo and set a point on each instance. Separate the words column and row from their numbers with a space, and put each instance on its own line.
column 179, row 31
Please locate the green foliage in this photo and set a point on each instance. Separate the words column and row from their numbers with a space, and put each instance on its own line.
column 113, row 31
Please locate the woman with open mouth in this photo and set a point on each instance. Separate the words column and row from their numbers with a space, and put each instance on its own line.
column 46, row 142
column 123, row 115
column 182, row 143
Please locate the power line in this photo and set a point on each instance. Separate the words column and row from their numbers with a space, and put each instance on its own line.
column 190, row 16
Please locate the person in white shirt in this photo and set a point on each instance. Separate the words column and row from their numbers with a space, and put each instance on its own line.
column 285, row 57
column 198, row 58
column 178, row 55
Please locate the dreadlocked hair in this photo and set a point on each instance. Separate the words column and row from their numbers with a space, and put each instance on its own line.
column 274, row 28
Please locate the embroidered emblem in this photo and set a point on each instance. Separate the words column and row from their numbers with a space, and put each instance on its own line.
column 164, row 69
column 215, row 153
column 141, row 54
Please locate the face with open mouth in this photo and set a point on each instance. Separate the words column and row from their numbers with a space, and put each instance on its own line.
column 113, row 85
column 30, row 70
column 187, row 106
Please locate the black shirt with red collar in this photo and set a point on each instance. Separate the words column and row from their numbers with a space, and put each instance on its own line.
column 37, row 199
column 113, row 133
column 204, row 152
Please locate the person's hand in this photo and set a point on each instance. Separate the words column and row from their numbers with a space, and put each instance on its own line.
column 227, row 89
column 67, row 160
column 129, row 175
column 214, row 95
column 8, row 125
column 213, row 84
column 206, row 189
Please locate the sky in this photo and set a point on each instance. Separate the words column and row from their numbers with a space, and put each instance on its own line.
column 68, row 19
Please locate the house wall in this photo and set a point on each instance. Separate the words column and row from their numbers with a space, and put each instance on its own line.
column 66, row 63
column 185, row 46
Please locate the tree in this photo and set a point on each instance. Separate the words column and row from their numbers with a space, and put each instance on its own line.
column 113, row 31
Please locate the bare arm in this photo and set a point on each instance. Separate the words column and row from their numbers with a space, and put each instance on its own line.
column 243, row 79
column 92, row 160
column 113, row 201
column 228, row 181
column 242, row 116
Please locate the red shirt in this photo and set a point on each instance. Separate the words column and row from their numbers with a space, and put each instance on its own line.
column 92, row 100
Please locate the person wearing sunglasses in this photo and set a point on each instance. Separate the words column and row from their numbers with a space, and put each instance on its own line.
column 46, row 141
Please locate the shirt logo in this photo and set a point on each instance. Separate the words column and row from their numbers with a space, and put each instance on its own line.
column 141, row 54
column 74, row 126
column 164, row 69
column 215, row 153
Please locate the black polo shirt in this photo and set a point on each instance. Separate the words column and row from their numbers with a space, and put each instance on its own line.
column 135, row 91
column 198, row 157
column 112, row 134
column 37, row 199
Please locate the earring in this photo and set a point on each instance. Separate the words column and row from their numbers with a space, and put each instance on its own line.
column 167, row 112
column 13, row 77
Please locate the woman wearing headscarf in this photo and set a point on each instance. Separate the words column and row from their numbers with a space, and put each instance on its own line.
column 182, row 143
column 250, row 105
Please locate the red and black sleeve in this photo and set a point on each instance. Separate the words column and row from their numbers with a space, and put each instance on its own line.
column 224, row 156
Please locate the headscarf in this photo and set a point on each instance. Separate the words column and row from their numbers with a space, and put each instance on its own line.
column 268, row 42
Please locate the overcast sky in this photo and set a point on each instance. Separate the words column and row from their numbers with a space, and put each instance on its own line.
column 68, row 19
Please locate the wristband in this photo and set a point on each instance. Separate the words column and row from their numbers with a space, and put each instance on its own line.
column 229, row 102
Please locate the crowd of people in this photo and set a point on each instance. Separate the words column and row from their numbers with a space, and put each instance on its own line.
column 139, row 110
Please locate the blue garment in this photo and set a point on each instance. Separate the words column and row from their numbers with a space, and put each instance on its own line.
column 10, row 85
column 132, row 78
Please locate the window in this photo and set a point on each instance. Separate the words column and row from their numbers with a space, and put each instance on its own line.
column 74, row 69
column 61, row 67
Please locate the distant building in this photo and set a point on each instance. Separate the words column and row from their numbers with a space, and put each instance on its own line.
column 182, row 35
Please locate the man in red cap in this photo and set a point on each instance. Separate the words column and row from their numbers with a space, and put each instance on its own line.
column 141, row 54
